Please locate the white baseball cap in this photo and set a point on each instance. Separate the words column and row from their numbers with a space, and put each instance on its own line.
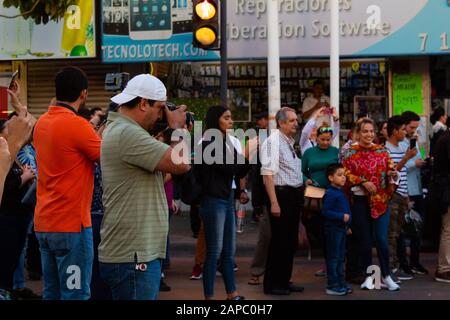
column 144, row 86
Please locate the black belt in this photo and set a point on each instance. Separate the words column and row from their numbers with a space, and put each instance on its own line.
column 287, row 188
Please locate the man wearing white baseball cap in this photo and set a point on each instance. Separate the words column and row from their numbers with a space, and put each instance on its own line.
column 135, row 224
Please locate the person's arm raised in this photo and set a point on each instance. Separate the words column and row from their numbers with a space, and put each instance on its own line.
column 5, row 164
column 19, row 132
column 14, row 94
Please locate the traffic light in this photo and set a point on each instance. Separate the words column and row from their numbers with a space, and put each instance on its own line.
column 206, row 28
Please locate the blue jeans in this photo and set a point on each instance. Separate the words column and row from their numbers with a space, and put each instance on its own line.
column 127, row 283
column 66, row 264
column 218, row 216
column 335, row 237
column 365, row 229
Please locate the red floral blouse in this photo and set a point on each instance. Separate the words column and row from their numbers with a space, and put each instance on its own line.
column 371, row 164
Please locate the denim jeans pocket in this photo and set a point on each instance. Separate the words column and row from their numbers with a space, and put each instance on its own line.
column 60, row 243
column 112, row 273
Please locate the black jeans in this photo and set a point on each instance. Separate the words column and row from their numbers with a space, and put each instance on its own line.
column 99, row 289
column 33, row 255
column 195, row 218
column 353, row 266
column 284, row 239
column 365, row 230
column 13, row 234
column 415, row 242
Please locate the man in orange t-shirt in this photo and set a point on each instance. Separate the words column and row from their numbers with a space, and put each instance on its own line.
column 66, row 149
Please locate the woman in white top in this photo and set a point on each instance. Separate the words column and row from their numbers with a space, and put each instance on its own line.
column 309, row 132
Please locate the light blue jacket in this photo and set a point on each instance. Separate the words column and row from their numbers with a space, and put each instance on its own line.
column 414, row 177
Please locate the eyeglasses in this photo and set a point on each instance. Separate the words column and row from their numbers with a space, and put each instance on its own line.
column 293, row 151
column 325, row 130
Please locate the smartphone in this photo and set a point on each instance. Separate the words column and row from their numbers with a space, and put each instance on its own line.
column 150, row 20
column 103, row 120
column 181, row 16
column 13, row 78
column 116, row 16
column 412, row 143
column 328, row 110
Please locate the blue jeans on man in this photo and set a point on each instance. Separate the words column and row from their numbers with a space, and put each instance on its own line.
column 335, row 237
column 132, row 281
column 66, row 264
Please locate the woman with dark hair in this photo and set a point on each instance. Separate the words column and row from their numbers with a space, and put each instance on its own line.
column 15, row 218
column 370, row 175
column 438, row 120
column 383, row 135
column 315, row 162
column 217, row 209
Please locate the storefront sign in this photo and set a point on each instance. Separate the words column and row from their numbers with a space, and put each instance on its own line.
column 72, row 37
column 408, row 93
column 367, row 27
column 136, row 31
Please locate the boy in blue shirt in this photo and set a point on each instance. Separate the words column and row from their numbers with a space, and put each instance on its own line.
column 336, row 211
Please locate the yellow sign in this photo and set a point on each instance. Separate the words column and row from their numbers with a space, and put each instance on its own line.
column 382, row 67
column 72, row 36
column 76, row 26
column 355, row 67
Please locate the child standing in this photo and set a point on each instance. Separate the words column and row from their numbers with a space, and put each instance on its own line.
column 336, row 211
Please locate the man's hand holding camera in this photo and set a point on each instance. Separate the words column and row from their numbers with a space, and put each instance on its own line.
column 176, row 119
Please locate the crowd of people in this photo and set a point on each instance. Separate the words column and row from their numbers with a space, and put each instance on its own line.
column 96, row 191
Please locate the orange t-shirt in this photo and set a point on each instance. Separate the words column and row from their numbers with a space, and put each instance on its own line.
column 66, row 149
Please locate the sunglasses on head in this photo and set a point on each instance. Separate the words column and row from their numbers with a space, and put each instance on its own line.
column 325, row 130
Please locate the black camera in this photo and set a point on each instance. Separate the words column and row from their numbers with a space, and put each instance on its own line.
column 163, row 123
column 116, row 81
column 189, row 116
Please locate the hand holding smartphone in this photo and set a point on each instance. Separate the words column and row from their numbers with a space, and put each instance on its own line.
column 412, row 143
column 13, row 79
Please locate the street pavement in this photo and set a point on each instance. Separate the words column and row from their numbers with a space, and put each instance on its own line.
column 182, row 260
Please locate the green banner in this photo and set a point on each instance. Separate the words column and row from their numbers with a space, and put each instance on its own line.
column 408, row 93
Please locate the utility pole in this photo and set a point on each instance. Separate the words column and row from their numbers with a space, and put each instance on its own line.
column 334, row 59
column 223, row 54
column 273, row 61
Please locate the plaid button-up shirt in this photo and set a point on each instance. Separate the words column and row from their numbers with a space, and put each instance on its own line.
column 279, row 159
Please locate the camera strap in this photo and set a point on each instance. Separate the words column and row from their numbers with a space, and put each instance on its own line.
column 65, row 105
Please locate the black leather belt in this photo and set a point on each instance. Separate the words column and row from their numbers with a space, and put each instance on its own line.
column 287, row 188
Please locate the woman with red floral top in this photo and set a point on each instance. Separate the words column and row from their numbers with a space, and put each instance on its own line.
column 370, row 177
